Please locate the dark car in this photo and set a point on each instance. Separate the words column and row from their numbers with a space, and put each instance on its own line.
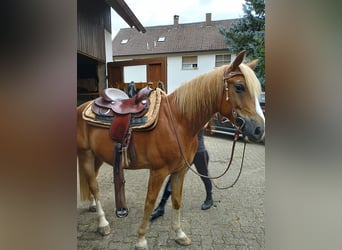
column 222, row 125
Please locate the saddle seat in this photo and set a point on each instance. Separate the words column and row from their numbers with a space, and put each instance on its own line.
column 115, row 101
column 112, row 94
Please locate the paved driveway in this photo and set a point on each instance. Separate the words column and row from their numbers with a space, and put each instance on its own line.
column 236, row 221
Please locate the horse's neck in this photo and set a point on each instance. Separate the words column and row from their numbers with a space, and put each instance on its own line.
column 194, row 125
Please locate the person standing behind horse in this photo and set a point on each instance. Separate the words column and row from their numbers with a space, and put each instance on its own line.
column 201, row 161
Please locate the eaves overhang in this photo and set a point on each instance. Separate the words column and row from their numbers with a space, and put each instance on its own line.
column 126, row 13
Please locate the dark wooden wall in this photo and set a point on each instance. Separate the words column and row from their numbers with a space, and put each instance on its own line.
column 93, row 16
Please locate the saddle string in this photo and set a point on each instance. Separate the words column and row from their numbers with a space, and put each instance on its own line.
column 236, row 136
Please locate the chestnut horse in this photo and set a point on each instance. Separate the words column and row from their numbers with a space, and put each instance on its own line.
column 231, row 90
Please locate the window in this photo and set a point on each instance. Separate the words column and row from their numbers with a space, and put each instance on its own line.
column 161, row 39
column 189, row 62
column 124, row 41
column 136, row 73
column 222, row 60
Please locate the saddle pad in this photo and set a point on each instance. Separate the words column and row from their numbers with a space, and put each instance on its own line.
column 151, row 115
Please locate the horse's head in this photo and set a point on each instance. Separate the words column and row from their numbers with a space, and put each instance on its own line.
column 240, row 99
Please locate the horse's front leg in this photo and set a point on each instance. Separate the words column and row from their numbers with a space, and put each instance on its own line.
column 154, row 184
column 177, row 180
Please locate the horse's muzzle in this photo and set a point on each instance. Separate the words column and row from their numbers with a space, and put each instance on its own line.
column 251, row 128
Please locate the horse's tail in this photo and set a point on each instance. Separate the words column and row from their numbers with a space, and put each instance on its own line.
column 82, row 145
column 85, row 193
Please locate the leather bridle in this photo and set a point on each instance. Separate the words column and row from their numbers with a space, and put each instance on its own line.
column 226, row 77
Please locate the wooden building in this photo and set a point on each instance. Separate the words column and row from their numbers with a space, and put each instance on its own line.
column 94, row 44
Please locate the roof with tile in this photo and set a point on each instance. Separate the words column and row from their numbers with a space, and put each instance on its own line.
column 180, row 38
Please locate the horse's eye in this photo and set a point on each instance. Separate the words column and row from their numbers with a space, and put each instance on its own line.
column 239, row 88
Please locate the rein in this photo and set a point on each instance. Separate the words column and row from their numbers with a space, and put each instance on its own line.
column 238, row 176
column 226, row 77
column 236, row 136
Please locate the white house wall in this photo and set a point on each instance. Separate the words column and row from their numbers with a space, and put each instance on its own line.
column 176, row 76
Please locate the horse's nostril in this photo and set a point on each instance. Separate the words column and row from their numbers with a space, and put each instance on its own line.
column 257, row 131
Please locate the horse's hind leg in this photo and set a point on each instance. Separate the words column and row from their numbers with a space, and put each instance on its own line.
column 177, row 180
column 88, row 168
column 155, row 182
column 92, row 204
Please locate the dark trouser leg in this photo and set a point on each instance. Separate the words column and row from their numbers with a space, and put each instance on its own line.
column 201, row 161
column 159, row 211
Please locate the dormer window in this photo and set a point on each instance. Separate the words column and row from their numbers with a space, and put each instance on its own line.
column 161, row 39
column 124, row 41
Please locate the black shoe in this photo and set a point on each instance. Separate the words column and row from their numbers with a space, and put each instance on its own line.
column 207, row 204
column 159, row 211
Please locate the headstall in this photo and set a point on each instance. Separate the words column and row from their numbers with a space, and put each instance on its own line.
column 226, row 77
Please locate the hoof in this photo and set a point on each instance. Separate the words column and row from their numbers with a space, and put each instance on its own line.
column 184, row 241
column 121, row 212
column 92, row 209
column 141, row 245
column 104, row 230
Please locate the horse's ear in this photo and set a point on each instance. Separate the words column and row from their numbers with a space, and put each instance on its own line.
column 253, row 64
column 238, row 60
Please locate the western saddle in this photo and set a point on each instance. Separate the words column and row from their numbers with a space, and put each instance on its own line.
column 115, row 105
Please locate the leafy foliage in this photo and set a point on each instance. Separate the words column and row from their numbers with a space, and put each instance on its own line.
column 248, row 33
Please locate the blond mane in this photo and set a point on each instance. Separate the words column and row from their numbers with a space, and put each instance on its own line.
column 252, row 82
column 197, row 98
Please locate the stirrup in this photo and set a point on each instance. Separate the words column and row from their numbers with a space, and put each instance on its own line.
column 121, row 212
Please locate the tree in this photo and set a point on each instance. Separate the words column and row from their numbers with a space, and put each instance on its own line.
column 248, row 33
